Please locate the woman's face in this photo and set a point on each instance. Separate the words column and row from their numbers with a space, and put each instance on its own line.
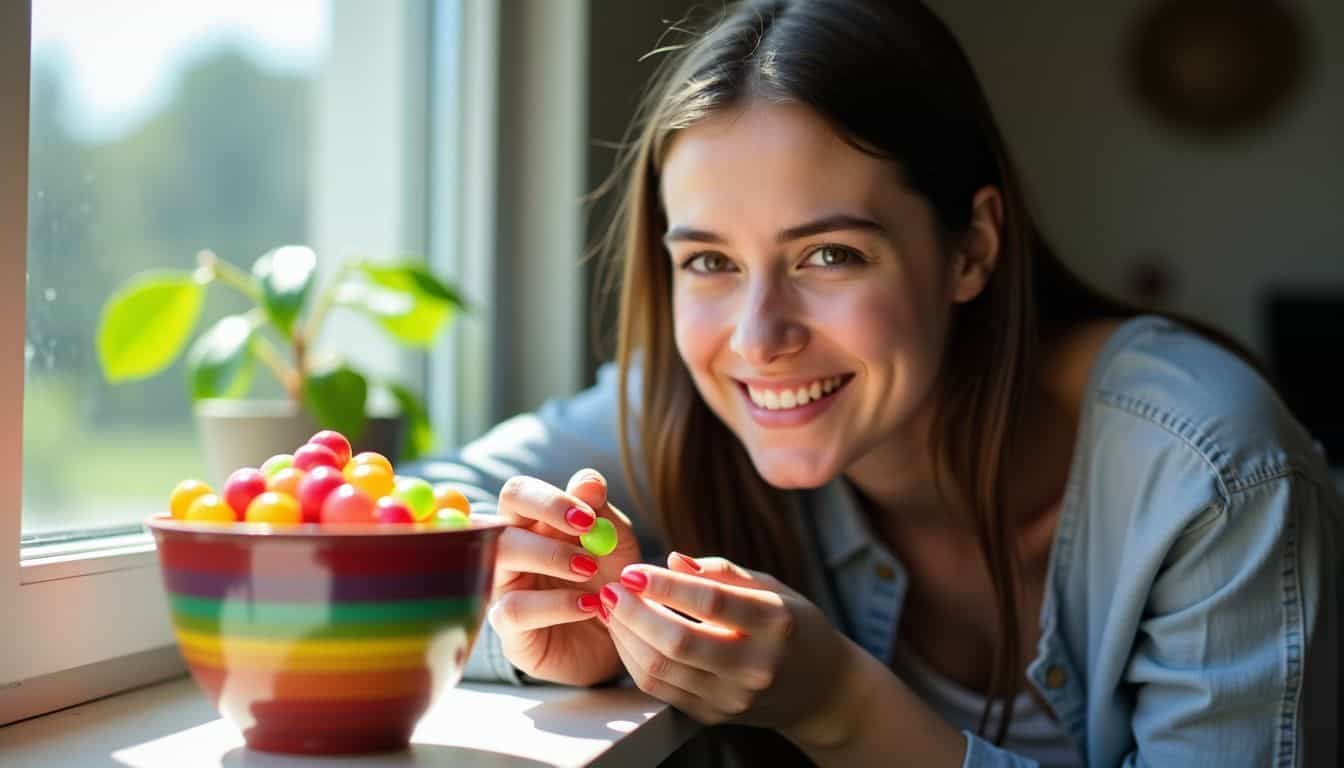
column 811, row 296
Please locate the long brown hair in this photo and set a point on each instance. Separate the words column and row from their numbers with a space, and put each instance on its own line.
column 891, row 79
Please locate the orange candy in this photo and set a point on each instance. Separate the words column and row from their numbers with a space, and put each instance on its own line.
column 210, row 509
column 370, row 457
column 448, row 497
column 374, row 481
column 286, row 481
column 274, row 508
column 184, row 494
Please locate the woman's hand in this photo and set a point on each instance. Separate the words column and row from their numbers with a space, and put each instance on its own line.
column 541, row 573
column 753, row 658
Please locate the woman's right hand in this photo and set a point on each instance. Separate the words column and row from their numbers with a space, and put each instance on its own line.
column 541, row 572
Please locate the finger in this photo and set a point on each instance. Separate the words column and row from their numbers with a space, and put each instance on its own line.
column 749, row 610
column 704, row 646
column 523, row 551
column 526, row 610
column 720, row 570
column 524, row 499
column 662, row 690
column 652, row 672
column 589, row 486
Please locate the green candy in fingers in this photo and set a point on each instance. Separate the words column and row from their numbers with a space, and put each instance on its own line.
column 601, row 540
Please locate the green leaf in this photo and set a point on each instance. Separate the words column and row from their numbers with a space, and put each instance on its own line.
column 286, row 276
column 220, row 363
column 336, row 399
column 146, row 322
column 418, row 437
column 432, row 303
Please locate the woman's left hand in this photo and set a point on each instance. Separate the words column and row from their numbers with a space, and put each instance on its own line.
column 753, row 658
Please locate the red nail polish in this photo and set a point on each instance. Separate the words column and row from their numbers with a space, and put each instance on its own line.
column 583, row 565
column 690, row 562
column 602, row 613
column 579, row 518
column 590, row 603
column 635, row 581
column 609, row 596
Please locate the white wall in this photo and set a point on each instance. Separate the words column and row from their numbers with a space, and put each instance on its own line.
column 1112, row 185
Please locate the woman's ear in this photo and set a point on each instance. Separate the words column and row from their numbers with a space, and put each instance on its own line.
column 977, row 253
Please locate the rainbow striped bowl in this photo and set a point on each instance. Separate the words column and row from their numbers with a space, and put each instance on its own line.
column 325, row 640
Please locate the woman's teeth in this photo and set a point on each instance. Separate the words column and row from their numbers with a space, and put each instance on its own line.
column 783, row 399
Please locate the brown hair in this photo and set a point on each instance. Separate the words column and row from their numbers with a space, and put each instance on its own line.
column 891, row 79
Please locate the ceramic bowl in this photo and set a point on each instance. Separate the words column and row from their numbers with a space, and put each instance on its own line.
column 325, row 640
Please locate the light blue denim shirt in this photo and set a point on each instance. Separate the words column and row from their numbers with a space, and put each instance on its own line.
column 1193, row 601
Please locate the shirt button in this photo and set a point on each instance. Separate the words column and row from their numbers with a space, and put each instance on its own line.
column 885, row 572
column 1055, row 677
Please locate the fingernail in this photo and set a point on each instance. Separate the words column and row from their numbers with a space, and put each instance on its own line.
column 583, row 565
column 635, row 581
column 608, row 596
column 602, row 613
column 590, row 603
column 690, row 562
column 579, row 518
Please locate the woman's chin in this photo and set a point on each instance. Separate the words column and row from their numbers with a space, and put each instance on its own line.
column 794, row 469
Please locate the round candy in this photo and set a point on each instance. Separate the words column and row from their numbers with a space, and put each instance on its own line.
column 286, row 481
column 336, row 442
column 311, row 455
column 372, row 479
column 314, row 490
column 452, row 517
column 276, row 463
column 209, row 509
column 393, row 510
column 601, row 539
column 186, row 492
column 348, row 504
column 417, row 494
column 242, row 487
column 372, row 457
column 275, row 508
column 448, row 497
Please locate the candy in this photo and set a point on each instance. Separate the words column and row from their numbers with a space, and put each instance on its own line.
column 311, row 456
column 393, row 510
column 276, row 463
column 314, row 490
column 448, row 497
column 241, row 488
column 186, row 492
column 286, row 481
column 452, row 517
column 371, row 457
column 274, row 508
column 347, row 504
column 372, row 479
column 601, row 539
column 209, row 509
column 417, row 494
column 336, row 442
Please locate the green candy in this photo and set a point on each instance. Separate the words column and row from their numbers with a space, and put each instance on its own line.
column 276, row 463
column 418, row 495
column 601, row 540
column 452, row 518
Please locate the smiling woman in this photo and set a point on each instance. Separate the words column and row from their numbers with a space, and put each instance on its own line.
column 884, row 430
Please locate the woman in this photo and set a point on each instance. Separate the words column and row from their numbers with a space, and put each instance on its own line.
column 889, row 436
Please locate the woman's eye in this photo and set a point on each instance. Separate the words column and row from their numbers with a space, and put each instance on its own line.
column 833, row 256
column 707, row 263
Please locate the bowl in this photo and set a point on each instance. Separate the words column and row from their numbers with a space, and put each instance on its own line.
column 325, row 639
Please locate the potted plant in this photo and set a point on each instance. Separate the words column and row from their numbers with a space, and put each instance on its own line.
column 148, row 321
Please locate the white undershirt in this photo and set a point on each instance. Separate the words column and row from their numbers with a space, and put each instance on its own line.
column 1032, row 733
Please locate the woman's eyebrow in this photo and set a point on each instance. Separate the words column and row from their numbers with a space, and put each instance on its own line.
column 833, row 223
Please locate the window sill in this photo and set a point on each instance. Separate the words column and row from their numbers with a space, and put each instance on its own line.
column 67, row 560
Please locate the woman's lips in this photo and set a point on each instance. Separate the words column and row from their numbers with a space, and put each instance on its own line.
column 797, row 415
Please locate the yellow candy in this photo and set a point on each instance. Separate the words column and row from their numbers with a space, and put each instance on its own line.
column 184, row 494
column 448, row 497
column 370, row 457
column 209, row 509
column 372, row 479
column 274, row 508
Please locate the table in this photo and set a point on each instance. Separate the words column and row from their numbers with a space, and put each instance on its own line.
column 172, row 724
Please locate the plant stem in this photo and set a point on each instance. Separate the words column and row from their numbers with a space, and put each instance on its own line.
column 325, row 300
column 288, row 377
column 228, row 274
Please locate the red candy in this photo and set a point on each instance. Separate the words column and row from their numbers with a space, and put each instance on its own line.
column 314, row 490
column 335, row 441
column 242, row 487
column 312, row 456
column 348, row 504
column 393, row 510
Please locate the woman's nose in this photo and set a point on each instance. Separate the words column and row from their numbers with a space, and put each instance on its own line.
column 767, row 327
